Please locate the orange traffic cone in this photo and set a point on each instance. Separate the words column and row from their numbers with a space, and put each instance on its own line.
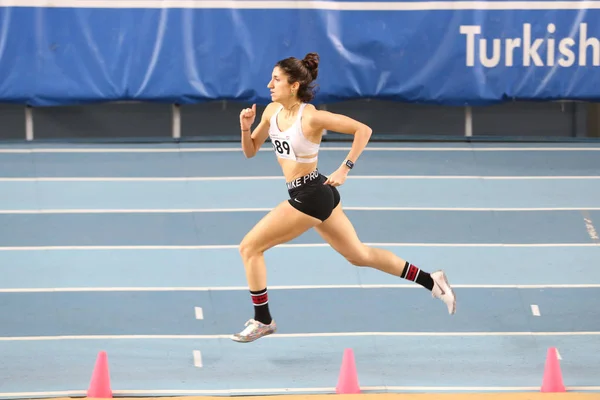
column 348, row 378
column 100, row 383
column 552, row 381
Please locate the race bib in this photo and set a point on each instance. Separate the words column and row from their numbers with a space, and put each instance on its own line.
column 283, row 147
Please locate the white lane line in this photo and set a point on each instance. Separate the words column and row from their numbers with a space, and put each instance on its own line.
column 322, row 390
column 280, row 178
column 289, row 287
column 287, row 245
column 267, row 209
column 535, row 310
column 197, row 358
column 295, row 335
column 269, row 149
column 199, row 313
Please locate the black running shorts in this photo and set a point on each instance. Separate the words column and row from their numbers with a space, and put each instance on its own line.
column 309, row 195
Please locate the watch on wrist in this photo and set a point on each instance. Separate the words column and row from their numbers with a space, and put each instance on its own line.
column 349, row 164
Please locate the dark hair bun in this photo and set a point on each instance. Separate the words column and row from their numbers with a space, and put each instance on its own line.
column 311, row 61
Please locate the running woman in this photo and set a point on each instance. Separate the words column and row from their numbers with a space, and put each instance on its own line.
column 295, row 128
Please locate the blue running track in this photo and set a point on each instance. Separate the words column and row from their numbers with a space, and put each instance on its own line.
column 132, row 249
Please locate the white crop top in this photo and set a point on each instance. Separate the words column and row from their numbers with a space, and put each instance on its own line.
column 291, row 143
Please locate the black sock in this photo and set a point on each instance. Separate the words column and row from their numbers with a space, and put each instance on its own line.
column 260, row 299
column 414, row 274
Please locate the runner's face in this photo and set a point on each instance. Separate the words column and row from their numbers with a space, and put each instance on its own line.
column 279, row 86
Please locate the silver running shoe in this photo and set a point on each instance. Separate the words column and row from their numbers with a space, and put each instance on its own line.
column 254, row 330
column 443, row 291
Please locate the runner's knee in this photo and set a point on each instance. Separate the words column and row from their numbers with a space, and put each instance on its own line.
column 248, row 249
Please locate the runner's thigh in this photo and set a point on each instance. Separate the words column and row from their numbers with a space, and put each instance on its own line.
column 280, row 225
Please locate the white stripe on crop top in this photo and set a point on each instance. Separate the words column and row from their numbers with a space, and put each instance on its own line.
column 291, row 143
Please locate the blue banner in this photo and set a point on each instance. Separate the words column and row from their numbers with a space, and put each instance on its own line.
column 452, row 52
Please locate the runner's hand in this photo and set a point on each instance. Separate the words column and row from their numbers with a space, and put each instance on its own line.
column 338, row 177
column 247, row 117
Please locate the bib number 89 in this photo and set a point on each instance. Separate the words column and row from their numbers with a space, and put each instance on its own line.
column 282, row 147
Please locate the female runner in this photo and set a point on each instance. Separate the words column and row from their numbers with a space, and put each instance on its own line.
column 295, row 128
